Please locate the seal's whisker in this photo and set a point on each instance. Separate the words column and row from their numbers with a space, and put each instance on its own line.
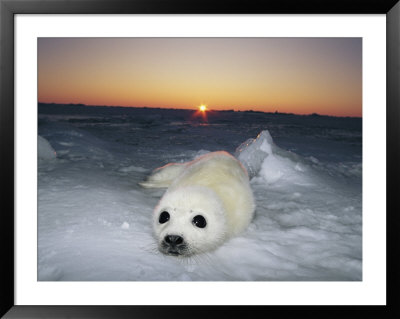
column 150, row 248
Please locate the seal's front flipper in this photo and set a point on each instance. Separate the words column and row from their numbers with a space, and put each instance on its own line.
column 163, row 176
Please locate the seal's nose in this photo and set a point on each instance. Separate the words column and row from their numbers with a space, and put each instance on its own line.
column 173, row 240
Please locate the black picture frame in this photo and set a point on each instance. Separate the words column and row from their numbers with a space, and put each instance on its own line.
column 8, row 8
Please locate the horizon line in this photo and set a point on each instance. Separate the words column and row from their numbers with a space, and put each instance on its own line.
column 189, row 109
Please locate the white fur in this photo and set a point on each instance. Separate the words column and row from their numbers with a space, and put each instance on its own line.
column 215, row 186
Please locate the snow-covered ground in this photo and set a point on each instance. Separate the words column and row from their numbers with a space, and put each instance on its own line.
column 94, row 221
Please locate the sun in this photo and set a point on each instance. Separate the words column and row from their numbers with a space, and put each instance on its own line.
column 201, row 112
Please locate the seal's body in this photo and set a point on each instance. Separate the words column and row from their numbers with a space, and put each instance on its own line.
column 208, row 200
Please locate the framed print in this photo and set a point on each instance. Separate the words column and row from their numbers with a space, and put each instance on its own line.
column 172, row 158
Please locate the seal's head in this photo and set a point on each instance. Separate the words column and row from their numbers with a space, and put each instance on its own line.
column 189, row 220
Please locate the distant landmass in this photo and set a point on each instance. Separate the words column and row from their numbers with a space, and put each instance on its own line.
column 83, row 107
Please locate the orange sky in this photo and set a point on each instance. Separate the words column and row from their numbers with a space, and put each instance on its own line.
column 292, row 75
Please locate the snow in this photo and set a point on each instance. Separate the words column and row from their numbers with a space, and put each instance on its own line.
column 94, row 220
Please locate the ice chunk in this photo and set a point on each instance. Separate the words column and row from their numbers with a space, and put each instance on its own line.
column 253, row 152
column 263, row 158
column 276, row 167
column 45, row 151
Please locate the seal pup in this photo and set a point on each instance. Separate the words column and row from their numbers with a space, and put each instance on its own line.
column 208, row 201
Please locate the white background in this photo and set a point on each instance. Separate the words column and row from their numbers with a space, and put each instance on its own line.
column 371, row 290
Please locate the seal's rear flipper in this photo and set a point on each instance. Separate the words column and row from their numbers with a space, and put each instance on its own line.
column 163, row 176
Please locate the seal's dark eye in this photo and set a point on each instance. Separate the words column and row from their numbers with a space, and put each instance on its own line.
column 164, row 217
column 199, row 221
